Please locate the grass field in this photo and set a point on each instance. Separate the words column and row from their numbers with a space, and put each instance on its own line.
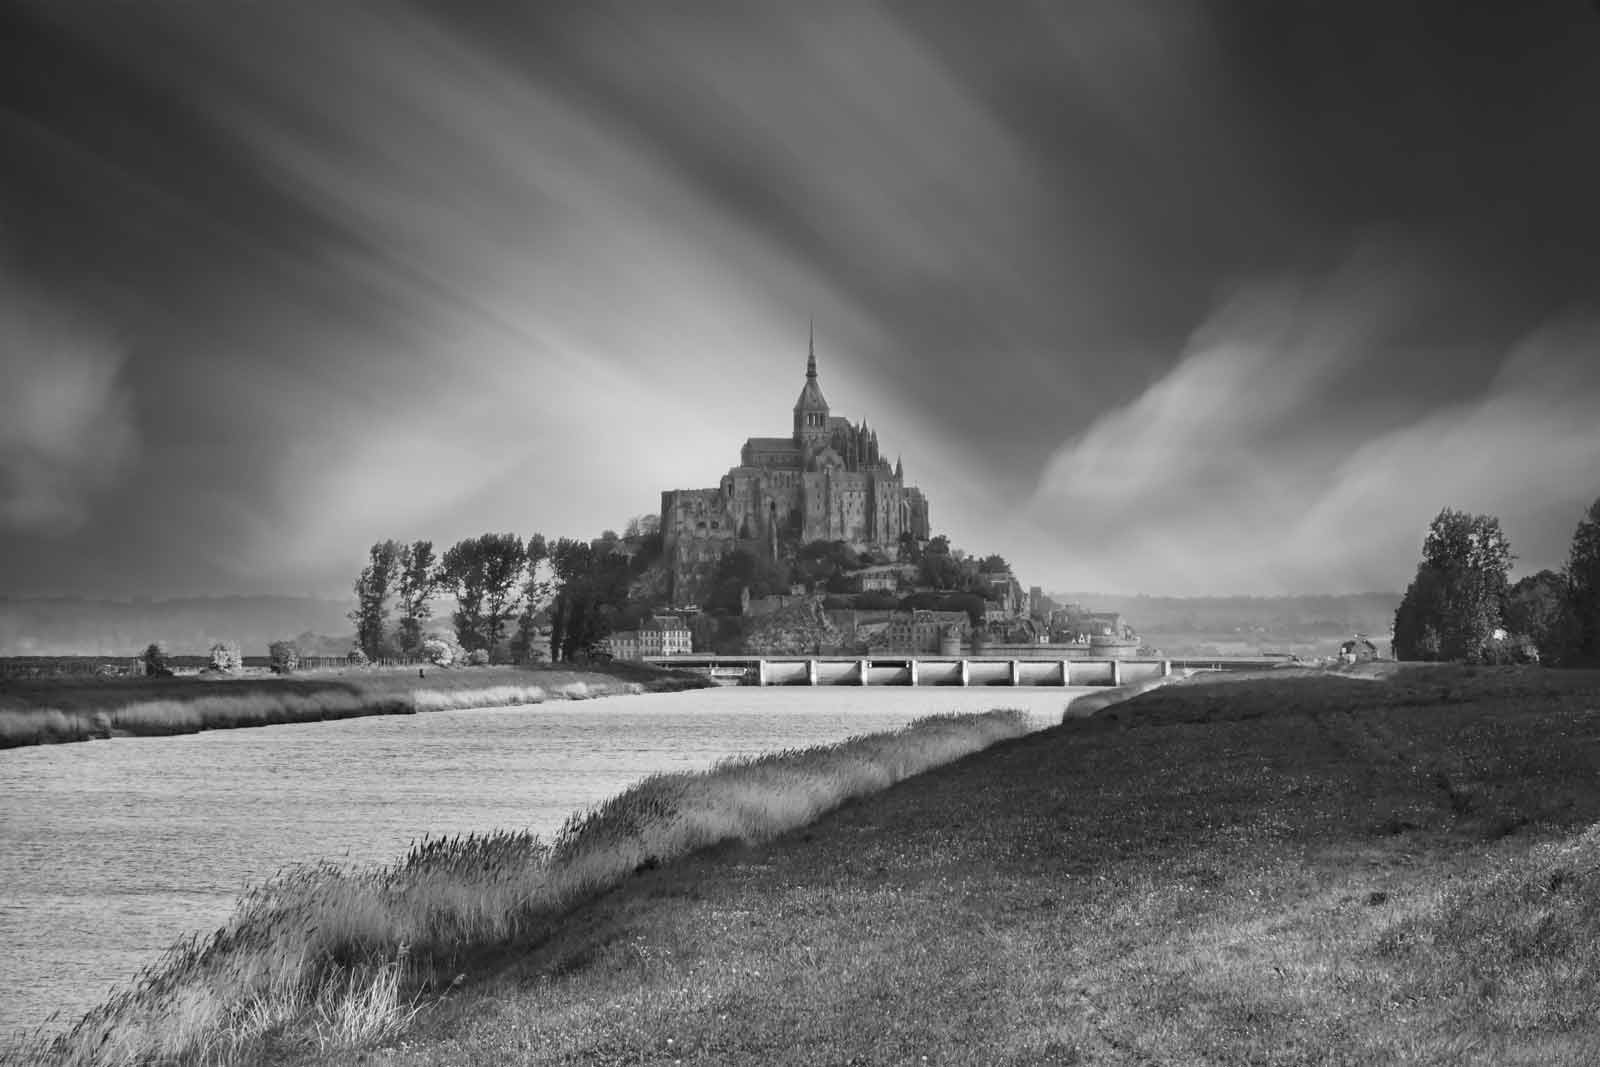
column 1286, row 870
column 49, row 710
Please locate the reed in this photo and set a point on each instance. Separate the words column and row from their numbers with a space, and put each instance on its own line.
column 323, row 956
column 47, row 711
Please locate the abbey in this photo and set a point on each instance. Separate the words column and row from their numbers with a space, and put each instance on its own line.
column 826, row 481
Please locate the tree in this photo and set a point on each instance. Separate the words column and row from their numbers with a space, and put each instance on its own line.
column 439, row 652
column 418, row 581
column 940, row 568
column 642, row 526
column 1536, row 609
column 993, row 564
column 372, row 596
column 155, row 661
column 1458, row 591
column 827, row 562
column 505, row 562
column 535, row 594
column 1416, row 620
column 740, row 570
column 485, row 574
column 283, row 657
column 1583, row 590
column 225, row 656
column 592, row 589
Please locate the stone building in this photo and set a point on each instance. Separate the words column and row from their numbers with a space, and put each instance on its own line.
column 887, row 578
column 827, row 480
column 668, row 636
column 928, row 631
column 665, row 636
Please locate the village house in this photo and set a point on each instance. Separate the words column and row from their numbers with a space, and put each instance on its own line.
column 668, row 636
column 927, row 631
column 884, row 578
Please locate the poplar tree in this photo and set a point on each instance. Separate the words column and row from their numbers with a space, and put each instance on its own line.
column 372, row 596
column 418, row 581
column 592, row 588
column 535, row 592
column 1583, row 589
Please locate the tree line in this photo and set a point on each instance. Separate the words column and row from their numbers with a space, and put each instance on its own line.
column 503, row 587
column 1462, row 606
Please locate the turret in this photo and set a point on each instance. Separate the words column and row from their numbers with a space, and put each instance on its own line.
column 811, row 410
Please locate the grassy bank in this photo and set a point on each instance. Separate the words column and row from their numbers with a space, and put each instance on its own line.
column 1311, row 870
column 328, row 958
column 50, row 710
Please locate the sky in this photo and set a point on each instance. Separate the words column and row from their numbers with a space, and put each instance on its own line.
column 1166, row 297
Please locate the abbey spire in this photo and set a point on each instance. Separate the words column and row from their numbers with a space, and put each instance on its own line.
column 811, row 410
column 830, row 480
column 811, row 352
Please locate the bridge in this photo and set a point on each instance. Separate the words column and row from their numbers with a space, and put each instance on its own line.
column 915, row 670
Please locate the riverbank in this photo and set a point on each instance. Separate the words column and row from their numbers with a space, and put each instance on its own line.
column 335, row 955
column 1317, row 869
column 54, row 710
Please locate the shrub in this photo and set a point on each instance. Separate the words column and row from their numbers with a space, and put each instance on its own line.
column 283, row 657
column 1513, row 648
column 356, row 657
column 155, row 661
column 438, row 652
column 225, row 656
column 478, row 658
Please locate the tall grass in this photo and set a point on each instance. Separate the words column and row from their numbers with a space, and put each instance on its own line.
column 325, row 956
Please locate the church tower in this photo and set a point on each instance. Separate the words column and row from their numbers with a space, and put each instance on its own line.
column 811, row 410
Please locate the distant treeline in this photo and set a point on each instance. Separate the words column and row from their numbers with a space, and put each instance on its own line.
column 93, row 666
column 1319, row 613
column 71, row 626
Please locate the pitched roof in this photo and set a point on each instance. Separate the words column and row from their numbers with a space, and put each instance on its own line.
column 811, row 398
column 771, row 444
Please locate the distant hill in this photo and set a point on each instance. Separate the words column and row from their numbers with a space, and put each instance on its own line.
column 68, row 626
column 1224, row 625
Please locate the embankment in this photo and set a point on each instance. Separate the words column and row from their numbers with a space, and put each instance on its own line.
column 51, row 710
column 1280, row 870
column 333, row 959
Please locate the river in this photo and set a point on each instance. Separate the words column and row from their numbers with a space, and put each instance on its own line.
column 111, row 850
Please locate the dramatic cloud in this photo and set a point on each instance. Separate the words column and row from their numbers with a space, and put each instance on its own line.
column 427, row 270
column 67, row 427
column 1270, row 458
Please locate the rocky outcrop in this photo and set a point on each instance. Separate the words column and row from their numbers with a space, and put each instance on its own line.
column 793, row 629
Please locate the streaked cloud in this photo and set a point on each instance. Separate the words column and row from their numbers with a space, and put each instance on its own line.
column 1249, row 466
column 67, row 426
column 427, row 270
